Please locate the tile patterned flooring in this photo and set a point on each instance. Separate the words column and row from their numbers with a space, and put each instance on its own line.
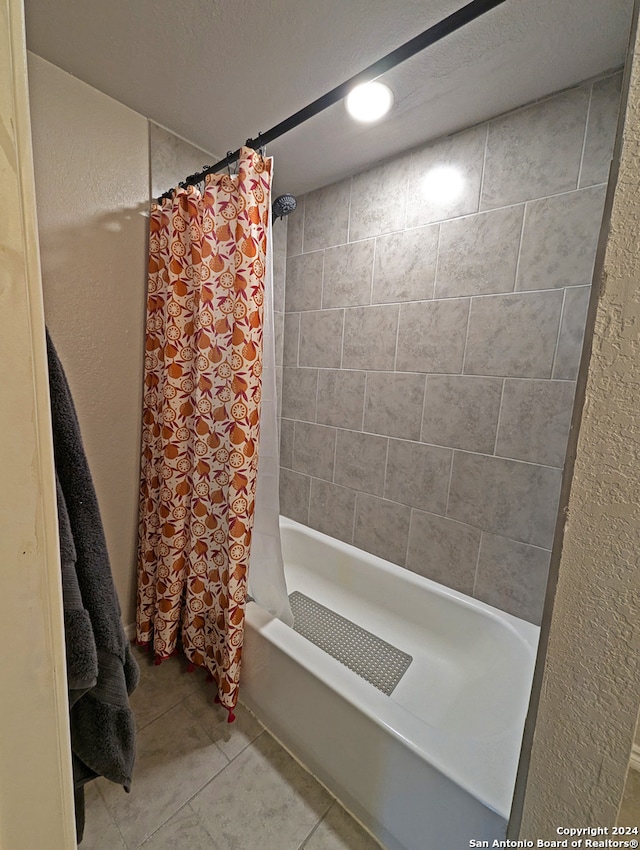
column 203, row 784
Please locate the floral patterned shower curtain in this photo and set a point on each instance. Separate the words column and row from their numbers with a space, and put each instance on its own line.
column 201, row 418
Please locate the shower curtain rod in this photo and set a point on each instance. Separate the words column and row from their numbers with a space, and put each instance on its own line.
column 425, row 39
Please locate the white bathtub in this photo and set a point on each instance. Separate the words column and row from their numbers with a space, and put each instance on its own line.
column 431, row 766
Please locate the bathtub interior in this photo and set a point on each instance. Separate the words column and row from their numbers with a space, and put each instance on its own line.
column 472, row 664
column 461, row 705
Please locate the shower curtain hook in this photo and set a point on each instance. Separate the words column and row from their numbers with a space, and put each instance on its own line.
column 229, row 155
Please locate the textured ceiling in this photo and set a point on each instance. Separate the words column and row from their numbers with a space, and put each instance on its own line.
column 219, row 71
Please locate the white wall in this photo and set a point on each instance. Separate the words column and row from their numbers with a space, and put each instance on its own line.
column 92, row 187
column 95, row 161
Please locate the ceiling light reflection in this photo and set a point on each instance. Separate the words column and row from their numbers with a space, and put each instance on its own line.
column 442, row 184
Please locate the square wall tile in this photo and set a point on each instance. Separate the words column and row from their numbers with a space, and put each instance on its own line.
column 341, row 398
column 512, row 576
column 574, row 317
column 295, row 226
column 332, row 509
column 378, row 200
column 462, row 412
column 478, row 254
column 513, row 335
column 444, row 178
column 405, row 265
column 299, row 388
column 370, row 337
column 321, row 338
column 294, row 495
column 303, row 290
column 431, row 336
column 536, row 151
column 507, row 497
column 382, row 528
column 286, row 442
column 326, row 216
column 443, row 550
column 348, row 271
column 534, row 420
column 360, row 461
column 314, row 449
column 418, row 475
column 393, row 404
column 601, row 130
column 291, row 339
column 559, row 240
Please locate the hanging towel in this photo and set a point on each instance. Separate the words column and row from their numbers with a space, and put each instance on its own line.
column 101, row 670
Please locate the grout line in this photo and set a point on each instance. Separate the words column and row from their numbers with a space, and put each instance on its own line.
column 314, row 828
column 344, row 322
column 373, row 271
column 484, row 163
column 453, row 457
column 584, row 138
column 386, row 467
column 355, row 512
column 304, row 221
column 315, row 406
column 515, row 280
column 407, row 173
column 466, row 335
column 475, row 574
column 437, row 268
column 555, row 350
column 111, row 817
column 464, row 297
column 460, row 217
column 395, row 353
column 495, row 442
column 349, row 211
column 322, row 282
column 411, row 522
column 437, row 445
column 424, row 406
column 293, row 446
column 299, row 337
column 364, row 400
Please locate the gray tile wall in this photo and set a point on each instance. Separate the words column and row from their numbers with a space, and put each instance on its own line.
column 431, row 342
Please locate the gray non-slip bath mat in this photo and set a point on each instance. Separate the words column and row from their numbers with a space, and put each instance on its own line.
column 375, row 660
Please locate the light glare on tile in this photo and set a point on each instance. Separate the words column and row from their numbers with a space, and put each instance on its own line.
column 442, row 184
column 369, row 101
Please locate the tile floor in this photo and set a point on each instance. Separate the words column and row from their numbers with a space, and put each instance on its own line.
column 203, row 784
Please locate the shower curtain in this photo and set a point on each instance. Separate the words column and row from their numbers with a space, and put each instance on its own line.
column 201, row 418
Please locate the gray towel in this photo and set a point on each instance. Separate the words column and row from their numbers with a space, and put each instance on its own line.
column 102, row 671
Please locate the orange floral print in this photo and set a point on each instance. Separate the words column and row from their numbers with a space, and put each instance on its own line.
column 203, row 362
